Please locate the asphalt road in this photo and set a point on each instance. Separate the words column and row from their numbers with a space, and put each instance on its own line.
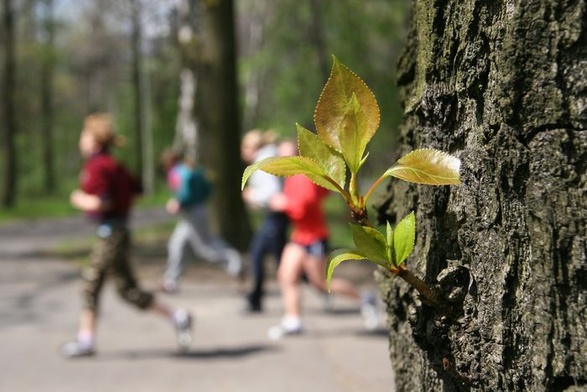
column 39, row 306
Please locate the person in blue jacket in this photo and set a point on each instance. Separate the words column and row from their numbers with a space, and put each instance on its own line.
column 191, row 190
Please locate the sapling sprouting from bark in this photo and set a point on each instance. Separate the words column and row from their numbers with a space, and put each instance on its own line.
column 346, row 118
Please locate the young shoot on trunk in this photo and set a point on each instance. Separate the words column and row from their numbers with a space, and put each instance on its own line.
column 346, row 118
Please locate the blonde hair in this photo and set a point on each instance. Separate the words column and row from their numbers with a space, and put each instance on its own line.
column 257, row 138
column 99, row 125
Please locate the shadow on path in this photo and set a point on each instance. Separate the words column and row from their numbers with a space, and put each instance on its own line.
column 220, row 353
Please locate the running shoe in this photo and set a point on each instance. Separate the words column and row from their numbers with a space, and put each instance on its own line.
column 76, row 349
column 279, row 331
column 183, row 326
column 370, row 311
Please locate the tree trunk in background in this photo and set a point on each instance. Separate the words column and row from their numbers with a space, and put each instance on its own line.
column 47, row 71
column 186, row 129
column 503, row 86
column 252, row 36
column 138, row 88
column 8, row 125
column 217, row 111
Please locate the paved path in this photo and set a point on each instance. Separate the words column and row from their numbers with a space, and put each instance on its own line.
column 38, row 312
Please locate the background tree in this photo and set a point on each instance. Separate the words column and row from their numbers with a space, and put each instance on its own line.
column 502, row 86
column 189, row 21
column 217, row 110
column 280, row 41
column 135, row 17
column 47, row 72
column 92, row 62
column 8, row 126
column 135, row 14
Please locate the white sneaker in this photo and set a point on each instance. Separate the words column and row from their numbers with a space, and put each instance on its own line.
column 76, row 349
column 182, row 320
column 288, row 326
column 370, row 311
column 279, row 331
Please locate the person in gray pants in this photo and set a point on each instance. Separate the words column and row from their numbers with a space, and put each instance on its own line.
column 191, row 190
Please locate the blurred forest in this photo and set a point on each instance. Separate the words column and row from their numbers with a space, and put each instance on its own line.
column 62, row 59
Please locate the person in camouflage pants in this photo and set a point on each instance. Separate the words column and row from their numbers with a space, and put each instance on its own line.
column 110, row 257
column 105, row 194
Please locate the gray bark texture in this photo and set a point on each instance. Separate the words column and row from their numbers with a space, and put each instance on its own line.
column 503, row 86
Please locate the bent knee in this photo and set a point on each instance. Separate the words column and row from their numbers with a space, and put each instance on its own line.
column 287, row 277
column 140, row 299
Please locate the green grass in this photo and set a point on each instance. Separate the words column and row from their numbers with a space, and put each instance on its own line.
column 58, row 206
column 34, row 208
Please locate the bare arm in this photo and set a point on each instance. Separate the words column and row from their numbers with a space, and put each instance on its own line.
column 87, row 202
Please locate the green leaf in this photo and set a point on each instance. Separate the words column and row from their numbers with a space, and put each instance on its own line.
column 347, row 114
column 404, row 238
column 341, row 255
column 370, row 242
column 389, row 243
column 427, row 166
column 331, row 161
column 291, row 166
column 252, row 168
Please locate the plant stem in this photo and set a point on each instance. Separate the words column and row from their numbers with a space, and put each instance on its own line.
column 343, row 192
column 373, row 187
column 428, row 294
column 353, row 190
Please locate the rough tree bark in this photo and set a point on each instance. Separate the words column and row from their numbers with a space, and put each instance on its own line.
column 502, row 85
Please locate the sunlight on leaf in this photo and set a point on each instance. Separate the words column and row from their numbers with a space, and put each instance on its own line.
column 404, row 237
column 341, row 255
column 389, row 242
column 427, row 166
column 330, row 160
column 347, row 114
column 370, row 242
column 254, row 167
column 291, row 166
column 347, row 117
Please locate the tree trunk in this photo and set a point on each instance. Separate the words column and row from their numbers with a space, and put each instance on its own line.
column 503, row 86
column 186, row 128
column 218, row 115
column 47, row 70
column 137, row 82
column 8, row 125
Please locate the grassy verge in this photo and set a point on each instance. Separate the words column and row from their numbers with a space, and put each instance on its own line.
column 58, row 206
column 34, row 208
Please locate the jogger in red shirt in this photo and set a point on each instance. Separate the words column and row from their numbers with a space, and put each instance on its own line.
column 307, row 250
